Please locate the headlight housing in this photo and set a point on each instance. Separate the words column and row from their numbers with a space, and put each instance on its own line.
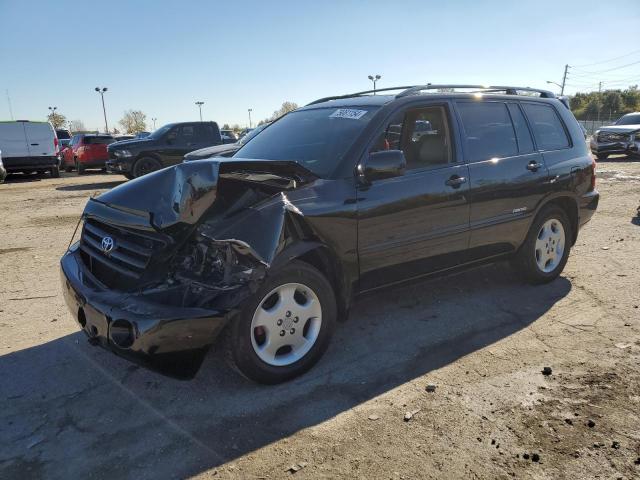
column 122, row 153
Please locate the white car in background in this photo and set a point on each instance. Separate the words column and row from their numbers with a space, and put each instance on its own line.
column 29, row 147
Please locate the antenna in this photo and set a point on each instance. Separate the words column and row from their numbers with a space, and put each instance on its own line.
column 9, row 103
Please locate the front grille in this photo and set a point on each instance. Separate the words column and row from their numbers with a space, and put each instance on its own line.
column 608, row 137
column 126, row 262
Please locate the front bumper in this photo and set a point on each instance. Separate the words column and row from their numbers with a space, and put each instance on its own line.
column 172, row 340
column 615, row 148
column 117, row 165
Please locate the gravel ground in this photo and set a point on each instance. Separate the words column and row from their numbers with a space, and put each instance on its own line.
column 481, row 339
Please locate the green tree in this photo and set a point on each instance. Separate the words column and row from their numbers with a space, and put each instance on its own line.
column 592, row 109
column 133, row 121
column 611, row 102
column 57, row 119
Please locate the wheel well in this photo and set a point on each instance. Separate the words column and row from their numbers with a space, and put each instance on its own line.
column 321, row 259
column 570, row 207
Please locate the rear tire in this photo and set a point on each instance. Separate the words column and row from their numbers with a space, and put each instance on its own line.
column 307, row 304
column 79, row 168
column 144, row 166
column 545, row 251
column 602, row 156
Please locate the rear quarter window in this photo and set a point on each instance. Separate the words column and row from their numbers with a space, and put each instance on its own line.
column 548, row 129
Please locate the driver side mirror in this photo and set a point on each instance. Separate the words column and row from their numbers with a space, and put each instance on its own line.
column 384, row 164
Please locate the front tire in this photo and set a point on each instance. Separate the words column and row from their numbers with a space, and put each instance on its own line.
column 285, row 327
column 145, row 165
column 545, row 252
column 79, row 168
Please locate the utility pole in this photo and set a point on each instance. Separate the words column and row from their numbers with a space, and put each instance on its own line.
column 250, row 110
column 599, row 94
column 101, row 92
column 199, row 104
column 9, row 103
column 564, row 79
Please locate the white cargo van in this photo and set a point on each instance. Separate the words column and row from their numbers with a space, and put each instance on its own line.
column 29, row 147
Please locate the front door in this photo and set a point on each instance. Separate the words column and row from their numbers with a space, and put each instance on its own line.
column 416, row 223
column 508, row 176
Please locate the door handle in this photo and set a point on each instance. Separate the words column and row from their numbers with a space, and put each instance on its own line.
column 533, row 166
column 455, row 181
column 35, row 144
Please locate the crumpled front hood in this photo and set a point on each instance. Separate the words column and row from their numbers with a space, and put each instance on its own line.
column 620, row 128
column 183, row 193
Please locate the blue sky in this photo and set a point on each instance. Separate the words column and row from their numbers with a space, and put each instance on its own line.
column 160, row 57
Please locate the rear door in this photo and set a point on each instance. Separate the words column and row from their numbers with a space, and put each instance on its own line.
column 41, row 139
column 180, row 140
column 508, row 176
column 13, row 140
column 416, row 223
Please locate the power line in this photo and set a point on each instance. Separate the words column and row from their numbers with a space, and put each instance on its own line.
column 610, row 69
column 607, row 61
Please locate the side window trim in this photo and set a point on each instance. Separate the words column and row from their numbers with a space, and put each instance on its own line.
column 517, row 105
column 559, row 117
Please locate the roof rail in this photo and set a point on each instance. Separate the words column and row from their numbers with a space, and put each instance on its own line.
column 357, row 94
column 482, row 88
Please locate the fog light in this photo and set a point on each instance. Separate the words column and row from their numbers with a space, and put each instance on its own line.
column 121, row 333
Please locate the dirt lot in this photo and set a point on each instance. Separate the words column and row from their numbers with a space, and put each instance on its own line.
column 70, row 410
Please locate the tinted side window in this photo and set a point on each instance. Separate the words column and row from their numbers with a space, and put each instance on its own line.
column 204, row 133
column 423, row 136
column 488, row 130
column 523, row 135
column 547, row 127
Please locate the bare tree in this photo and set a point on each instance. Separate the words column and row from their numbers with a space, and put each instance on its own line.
column 283, row 110
column 133, row 121
column 57, row 119
column 77, row 126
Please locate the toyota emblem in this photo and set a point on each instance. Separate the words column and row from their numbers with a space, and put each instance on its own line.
column 107, row 244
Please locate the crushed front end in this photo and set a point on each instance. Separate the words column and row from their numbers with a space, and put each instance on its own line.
column 163, row 263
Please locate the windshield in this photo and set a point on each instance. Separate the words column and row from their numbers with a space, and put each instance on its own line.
column 251, row 134
column 633, row 119
column 317, row 139
column 160, row 132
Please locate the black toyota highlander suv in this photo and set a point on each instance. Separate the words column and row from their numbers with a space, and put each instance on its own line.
column 348, row 194
column 162, row 148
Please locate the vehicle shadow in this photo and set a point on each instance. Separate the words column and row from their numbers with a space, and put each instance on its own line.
column 24, row 178
column 70, row 410
column 89, row 186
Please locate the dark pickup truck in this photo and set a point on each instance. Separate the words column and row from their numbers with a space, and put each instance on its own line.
column 349, row 194
column 164, row 147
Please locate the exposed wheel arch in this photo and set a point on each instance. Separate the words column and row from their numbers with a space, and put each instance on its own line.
column 570, row 206
column 324, row 260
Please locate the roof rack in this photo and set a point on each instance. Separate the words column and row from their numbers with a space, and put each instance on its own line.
column 416, row 89
column 482, row 88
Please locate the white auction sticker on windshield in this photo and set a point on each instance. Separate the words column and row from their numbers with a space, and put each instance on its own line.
column 348, row 113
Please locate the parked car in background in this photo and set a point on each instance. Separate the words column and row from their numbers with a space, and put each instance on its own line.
column 29, row 147
column 228, row 136
column 164, row 147
column 86, row 151
column 224, row 150
column 271, row 245
column 120, row 138
column 63, row 134
column 3, row 172
column 623, row 137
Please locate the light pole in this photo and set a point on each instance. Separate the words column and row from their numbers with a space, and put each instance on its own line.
column 555, row 83
column 199, row 104
column 154, row 122
column 374, row 79
column 250, row 110
column 101, row 92
column 53, row 112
